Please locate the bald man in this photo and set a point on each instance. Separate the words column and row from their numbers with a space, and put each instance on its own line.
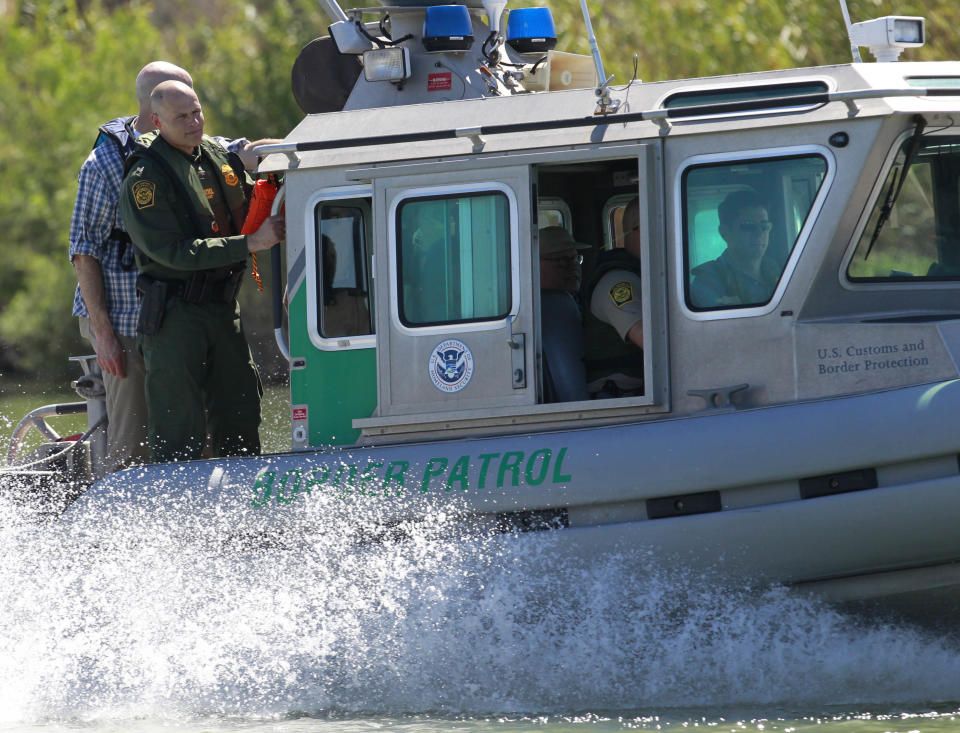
column 183, row 202
column 106, row 301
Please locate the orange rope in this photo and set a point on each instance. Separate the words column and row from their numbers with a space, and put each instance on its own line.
column 256, row 273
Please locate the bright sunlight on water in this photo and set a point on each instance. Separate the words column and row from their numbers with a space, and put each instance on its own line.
column 167, row 617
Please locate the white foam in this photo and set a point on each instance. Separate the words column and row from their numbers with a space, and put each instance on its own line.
column 165, row 613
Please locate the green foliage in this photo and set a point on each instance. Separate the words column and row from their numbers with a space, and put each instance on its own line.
column 695, row 38
column 69, row 65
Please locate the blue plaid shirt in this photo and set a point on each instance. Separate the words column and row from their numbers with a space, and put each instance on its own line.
column 95, row 215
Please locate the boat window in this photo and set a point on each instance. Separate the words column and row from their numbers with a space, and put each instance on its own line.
column 453, row 258
column 938, row 82
column 778, row 95
column 741, row 221
column 553, row 212
column 613, row 233
column 920, row 239
column 342, row 268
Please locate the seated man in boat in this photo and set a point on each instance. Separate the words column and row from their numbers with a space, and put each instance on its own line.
column 741, row 275
column 614, row 321
column 562, row 327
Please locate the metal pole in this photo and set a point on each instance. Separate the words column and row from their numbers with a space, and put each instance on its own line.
column 334, row 10
column 594, row 49
column 846, row 19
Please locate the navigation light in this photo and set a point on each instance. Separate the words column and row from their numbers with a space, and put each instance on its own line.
column 447, row 28
column 531, row 30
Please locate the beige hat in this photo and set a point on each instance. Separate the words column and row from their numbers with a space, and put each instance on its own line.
column 557, row 239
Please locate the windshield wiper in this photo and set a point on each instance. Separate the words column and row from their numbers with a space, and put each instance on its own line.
column 894, row 191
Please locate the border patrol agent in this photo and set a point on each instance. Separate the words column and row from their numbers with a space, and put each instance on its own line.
column 614, row 321
column 183, row 202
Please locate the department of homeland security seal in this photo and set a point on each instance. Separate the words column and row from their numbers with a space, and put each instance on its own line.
column 450, row 366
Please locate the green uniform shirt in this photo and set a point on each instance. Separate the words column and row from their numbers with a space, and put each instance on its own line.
column 178, row 240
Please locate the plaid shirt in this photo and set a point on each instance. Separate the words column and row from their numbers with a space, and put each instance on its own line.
column 94, row 217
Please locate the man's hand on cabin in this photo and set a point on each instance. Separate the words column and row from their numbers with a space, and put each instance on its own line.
column 270, row 232
column 250, row 159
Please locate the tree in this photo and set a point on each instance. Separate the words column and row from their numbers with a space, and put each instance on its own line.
column 70, row 65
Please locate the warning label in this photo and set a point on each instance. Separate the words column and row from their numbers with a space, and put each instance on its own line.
column 439, row 82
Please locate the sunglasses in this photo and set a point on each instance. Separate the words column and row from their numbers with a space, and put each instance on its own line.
column 576, row 259
column 754, row 227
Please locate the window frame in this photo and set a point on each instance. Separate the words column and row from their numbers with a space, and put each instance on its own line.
column 876, row 193
column 617, row 201
column 746, row 156
column 319, row 197
column 452, row 191
column 552, row 203
column 696, row 89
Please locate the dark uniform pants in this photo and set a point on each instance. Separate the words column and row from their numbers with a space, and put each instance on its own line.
column 200, row 362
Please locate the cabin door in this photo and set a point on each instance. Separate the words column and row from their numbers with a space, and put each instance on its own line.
column 454, row 260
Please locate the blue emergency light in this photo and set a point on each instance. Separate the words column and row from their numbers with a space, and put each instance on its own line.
column 447, row 28
column 531, row 30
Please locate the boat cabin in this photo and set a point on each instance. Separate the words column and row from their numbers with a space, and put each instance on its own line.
column 413, row 255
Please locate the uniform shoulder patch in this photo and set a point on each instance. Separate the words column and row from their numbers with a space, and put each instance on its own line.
column 229, row 176
column 144, row 194
column 621, row 293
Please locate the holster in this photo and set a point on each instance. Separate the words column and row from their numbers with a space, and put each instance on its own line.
column 153, row 305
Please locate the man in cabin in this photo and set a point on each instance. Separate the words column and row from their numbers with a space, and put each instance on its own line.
column 183, row 202
column 106, row 301
column 614, row 324
column 561, row 323
column 741, row 275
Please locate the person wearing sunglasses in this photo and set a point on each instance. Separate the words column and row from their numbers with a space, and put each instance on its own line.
column 742, row 275
column 565, row 378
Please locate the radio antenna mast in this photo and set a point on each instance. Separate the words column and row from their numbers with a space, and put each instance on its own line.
column 605, row 105
column 853, row 46
column 333, row 10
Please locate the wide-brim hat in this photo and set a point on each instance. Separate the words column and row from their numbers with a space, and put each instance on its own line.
column 557, row 239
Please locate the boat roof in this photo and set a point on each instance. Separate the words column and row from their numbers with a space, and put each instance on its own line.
column 494, row 124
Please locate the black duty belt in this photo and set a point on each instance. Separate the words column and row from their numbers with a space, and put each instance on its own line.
column 206, row 286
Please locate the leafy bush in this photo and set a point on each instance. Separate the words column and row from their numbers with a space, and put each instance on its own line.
column 70, row 65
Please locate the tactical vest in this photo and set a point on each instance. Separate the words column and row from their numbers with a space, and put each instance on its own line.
column 193, row 211
column 120, row 132
column 605, row 353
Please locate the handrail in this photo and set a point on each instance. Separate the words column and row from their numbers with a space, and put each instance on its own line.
column 660, row 116
column 277, row 292
column 35, row 419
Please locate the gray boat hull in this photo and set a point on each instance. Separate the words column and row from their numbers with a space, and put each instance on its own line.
column 728, row 492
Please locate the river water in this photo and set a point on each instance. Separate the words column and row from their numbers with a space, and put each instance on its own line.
column 161, row 618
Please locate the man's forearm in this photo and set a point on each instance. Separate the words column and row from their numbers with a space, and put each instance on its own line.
column 90, row 277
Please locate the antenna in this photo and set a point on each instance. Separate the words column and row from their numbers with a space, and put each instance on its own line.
column 333, row 9
column 853, row 44
column 605, row 105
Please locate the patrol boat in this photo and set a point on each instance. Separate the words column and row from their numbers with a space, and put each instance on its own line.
column 808, row 436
